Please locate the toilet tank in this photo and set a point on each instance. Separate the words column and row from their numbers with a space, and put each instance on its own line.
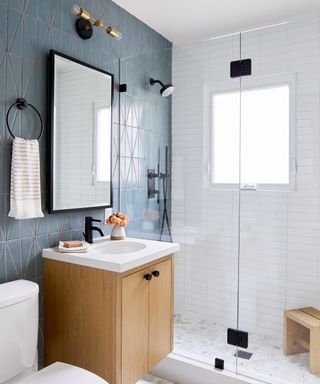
column 18, row 327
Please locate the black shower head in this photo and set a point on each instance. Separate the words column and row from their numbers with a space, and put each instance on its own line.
column 166, row 89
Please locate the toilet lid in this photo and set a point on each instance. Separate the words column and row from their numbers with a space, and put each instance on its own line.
column 60, row 373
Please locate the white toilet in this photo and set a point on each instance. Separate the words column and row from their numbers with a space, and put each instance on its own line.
column 18, row 341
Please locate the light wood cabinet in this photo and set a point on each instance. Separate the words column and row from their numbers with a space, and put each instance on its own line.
column 117, row 325
column 160, row 314
column 135, row 325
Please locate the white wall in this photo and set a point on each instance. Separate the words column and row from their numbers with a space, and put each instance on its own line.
column 279, row 231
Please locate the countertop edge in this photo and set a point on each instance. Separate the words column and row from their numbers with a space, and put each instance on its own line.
column 50, row 254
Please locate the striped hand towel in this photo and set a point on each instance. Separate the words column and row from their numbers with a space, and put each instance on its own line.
column 25, row 193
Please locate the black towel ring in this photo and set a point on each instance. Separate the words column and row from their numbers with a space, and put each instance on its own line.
column 22, row 104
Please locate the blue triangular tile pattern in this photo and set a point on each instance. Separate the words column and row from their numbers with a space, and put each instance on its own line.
column 28, row 30
column 144, row 133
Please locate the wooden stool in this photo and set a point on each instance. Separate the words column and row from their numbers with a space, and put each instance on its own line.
column 302, row 334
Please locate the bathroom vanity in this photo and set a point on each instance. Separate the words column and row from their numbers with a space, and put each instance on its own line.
column 110, row 310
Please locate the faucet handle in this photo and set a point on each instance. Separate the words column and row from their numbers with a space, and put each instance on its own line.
column 96, row 220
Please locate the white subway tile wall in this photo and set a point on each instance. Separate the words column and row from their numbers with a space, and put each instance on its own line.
column 279, row 230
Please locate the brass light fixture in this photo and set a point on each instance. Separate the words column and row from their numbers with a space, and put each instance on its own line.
column 85, row 23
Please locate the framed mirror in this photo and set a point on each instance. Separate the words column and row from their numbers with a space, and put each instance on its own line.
column 80, row 140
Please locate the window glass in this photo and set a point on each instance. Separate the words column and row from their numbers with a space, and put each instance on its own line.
column 103, row 142
column 265, row 136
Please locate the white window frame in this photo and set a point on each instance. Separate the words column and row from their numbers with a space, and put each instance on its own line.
column 96, row 106
column 250, row 83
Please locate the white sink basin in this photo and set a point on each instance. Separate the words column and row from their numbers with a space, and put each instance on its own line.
column 117, row 255
column 116, row 247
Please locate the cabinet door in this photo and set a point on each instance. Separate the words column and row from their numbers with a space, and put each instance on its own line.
column 134, row 327
column 160, row 312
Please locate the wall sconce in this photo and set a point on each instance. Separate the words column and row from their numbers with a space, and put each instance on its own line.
column 85, row 23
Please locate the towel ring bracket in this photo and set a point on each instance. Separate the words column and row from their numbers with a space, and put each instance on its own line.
column 22, row 104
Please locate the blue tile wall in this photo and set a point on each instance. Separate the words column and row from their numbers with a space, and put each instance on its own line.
column 145, row 131
column 28, row 30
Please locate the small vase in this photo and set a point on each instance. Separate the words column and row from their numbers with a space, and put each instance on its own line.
column 118, row 233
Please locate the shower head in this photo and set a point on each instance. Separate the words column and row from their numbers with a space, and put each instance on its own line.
column 166, row 89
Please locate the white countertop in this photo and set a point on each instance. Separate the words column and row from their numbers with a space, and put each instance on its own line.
column 115, row 262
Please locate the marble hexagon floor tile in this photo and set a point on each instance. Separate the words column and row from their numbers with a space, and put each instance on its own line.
column 204, row 341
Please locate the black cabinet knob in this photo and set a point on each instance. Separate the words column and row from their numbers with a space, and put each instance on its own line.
column 148, row 276
column 156, row 273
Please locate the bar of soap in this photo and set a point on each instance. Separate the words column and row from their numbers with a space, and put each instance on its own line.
column 73, row 244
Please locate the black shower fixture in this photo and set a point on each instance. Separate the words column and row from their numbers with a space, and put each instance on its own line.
column 152, row 191
column 166, row 89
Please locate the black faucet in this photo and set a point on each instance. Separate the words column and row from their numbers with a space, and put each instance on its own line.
column 89, row 228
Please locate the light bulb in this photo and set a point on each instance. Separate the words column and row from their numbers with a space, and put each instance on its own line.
column 76, row 10
column 114, row 33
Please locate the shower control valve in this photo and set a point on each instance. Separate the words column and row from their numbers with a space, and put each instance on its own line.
column 152, row 191
column 152, row 174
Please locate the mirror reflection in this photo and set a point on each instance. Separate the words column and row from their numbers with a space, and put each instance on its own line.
column 81, row 136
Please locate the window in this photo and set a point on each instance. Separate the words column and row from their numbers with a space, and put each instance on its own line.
column 266, row 137
column 102, row 137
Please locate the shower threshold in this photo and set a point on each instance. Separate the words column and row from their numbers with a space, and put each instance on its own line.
column 185, row 370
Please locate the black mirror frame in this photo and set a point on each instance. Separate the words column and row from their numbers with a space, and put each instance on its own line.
column 50, row 160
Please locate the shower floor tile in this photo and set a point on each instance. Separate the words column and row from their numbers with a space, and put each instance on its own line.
column 204, row 341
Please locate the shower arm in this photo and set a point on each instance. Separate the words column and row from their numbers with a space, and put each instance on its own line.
column 152, row 82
